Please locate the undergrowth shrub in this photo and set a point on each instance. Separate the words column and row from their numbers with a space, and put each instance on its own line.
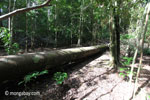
column 10, row 48
column 127, row 60
column 125, row 71
column 32, row 76
column 59, row 77
column 146, row 51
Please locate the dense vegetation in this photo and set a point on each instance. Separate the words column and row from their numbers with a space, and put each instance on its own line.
column 62, row 23
column 70, row 23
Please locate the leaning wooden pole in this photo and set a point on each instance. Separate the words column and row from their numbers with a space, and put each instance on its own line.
column 14, row 66
column 146, row 15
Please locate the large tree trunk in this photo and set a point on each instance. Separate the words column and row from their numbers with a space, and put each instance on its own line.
column 117, row 30
column 113, row 43
column 15, row 66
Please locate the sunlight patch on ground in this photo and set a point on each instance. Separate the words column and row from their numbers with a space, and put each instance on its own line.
column 97, row 83
column 100, row 61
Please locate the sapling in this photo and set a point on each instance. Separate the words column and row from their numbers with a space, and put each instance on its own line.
column 32, row 76
column 59, row 77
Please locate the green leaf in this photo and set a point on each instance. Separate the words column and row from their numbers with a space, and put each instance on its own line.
column 121, row 69
column 149, row 96
column 122, row 74
column 20, row 82
column 44, row 72
column 59, row 77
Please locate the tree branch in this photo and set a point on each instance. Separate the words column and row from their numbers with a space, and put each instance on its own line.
column 23, row 10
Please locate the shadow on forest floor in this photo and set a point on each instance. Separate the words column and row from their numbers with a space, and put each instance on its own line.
column 91, row 79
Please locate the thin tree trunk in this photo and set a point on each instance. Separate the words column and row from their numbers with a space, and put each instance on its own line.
column 48, row 16
column 9, row 23
column 142, row 45
column 93, row 25
column 71, row 33
column 79, row 32
column 92, row 22
column 136, row 52
column 12, row 24
column 1, row 24
column 26, row 42
column 55, row 17
column 33, row 33
column 80, row 24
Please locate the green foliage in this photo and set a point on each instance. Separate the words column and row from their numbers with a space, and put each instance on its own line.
column 32, row 76
column 10, row 48
column 126, row 36
column 127, row 60
column 148, row 96
column 13, row 49
column 125, row 72
column 59, row 77
column 146, row 51
column 65, row 20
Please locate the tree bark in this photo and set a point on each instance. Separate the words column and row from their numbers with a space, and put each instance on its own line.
column 113, row 43
column 1, row 25
column 15, row 66
column 56, row 31
column 80, row 32
column 5, row 16
column 117, row 32
column 146, row 15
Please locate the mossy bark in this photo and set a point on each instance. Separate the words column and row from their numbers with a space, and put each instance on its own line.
column 15, row 66
column 114, row 42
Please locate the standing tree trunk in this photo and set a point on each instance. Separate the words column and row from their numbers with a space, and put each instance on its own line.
column 79, row 32
column 80, row 24
column 115, row 35
column 33, row 33
column 10, row 23
column 113, row 43
column 55, row 17
column 117, row 31
column 0, row 15
column 117, row 28
column 26, row 42
column 147, row 12
column 136, row 51
column 71, row 35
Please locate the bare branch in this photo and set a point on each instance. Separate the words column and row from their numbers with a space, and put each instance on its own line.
column 24, row 10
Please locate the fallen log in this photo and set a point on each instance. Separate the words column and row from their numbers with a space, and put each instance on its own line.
column 14, row 66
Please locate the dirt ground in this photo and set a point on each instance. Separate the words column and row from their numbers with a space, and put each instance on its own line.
column 92, row 79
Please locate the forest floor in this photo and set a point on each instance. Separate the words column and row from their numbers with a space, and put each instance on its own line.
column 92, row 79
